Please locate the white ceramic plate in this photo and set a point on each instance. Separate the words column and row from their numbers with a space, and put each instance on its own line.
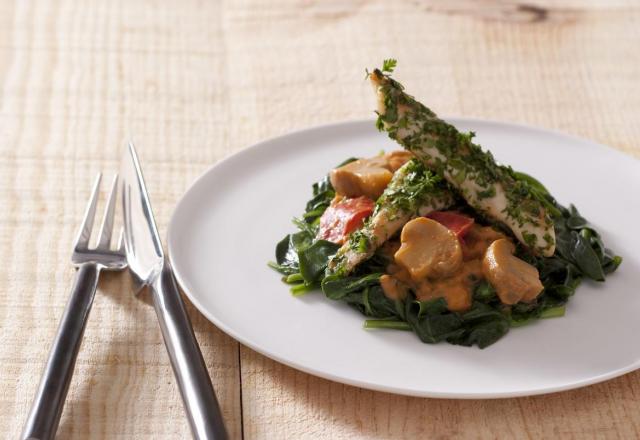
column 225, row 228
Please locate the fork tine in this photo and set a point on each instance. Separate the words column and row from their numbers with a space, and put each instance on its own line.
column 106, row 229
column 89, row 215
column 120, row 247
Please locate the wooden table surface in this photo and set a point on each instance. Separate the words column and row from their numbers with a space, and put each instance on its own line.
column 194, row 81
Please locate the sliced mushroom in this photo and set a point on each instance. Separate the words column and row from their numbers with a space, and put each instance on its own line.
column 395, row 159
column 514, row 279
column 428, row 249
column 363, row 177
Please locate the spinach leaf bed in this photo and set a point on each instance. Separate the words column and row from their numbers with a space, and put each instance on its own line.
column 580, row 254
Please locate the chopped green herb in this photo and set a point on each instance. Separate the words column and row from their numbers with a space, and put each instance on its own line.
column 389, row 65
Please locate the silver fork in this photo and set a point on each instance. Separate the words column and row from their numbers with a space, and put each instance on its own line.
column 45, row 413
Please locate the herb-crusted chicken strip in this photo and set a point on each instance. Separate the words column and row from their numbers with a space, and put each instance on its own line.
column 413, row 190
column 489, row 188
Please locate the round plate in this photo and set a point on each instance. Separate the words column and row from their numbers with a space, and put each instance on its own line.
column 225, row 228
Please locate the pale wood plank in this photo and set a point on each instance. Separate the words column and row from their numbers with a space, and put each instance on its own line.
column 565, row 65
column 280, row 402
column 194, row 81
column 76, row 80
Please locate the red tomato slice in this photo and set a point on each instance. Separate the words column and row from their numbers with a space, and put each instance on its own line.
column 344, row 217
column 456, row 222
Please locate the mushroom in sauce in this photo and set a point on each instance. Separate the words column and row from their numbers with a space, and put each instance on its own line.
column 428, row 249
column 367, row 177
column 514, row 279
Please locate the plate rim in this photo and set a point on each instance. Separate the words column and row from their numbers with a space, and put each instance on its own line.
column 360, row 383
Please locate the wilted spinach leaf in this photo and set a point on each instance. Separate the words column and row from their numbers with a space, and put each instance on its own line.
column 587, row 259
column 287, row 249
column 336, row 286
column 483, row 325
column 432, row 321
column 313, row 259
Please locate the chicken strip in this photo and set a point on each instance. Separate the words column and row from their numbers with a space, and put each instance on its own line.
column 413, row 191
column 489, row 188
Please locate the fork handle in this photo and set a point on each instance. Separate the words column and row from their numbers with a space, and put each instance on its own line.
column 198, row 397
column 48, row 403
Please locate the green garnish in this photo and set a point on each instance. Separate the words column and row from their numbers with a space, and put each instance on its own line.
column 454, row 155
column 389, row 65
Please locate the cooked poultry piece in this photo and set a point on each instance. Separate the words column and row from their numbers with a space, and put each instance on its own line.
column 488, row 187
column 413, row 191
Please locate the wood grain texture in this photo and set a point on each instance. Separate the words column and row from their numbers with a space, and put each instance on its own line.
column 77, row 79
column 194, row 81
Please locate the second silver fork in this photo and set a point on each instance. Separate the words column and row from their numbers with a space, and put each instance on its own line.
column 45, row 413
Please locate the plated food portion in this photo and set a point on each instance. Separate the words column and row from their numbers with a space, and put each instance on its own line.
column 438, row 238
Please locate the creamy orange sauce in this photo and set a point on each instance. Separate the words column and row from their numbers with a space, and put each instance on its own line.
column 393, row 288
column 478, row 239
column 456, row 288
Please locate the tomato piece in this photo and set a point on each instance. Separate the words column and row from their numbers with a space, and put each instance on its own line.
column 343, row 217
column 458, row 223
